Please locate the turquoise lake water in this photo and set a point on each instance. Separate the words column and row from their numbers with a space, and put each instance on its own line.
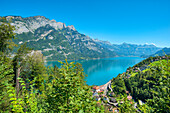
column 100, row 71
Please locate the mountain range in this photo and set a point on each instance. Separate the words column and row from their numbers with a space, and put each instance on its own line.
column 57, row 41
column 162, row 52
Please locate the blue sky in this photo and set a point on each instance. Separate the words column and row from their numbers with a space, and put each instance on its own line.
column 117, row 21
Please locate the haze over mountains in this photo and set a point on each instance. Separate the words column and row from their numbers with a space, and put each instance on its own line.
column 162, row 52
column 58, row 41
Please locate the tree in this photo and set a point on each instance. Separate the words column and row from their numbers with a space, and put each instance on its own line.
column 6, row 69
column 34, row 68
column 118, row 85
column 6, row 36
column 19, row 63
column 125, row 105
column 6, row 79
column 68, row 92
column 160, row 90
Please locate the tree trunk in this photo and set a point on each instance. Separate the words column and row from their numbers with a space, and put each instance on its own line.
column 17, row 81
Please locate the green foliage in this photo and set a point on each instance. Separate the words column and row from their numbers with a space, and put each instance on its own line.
column 144, row 108
column 6, row 69
column 118, row 85
column 125, row 105
column 67, row 91
column 64, row 90
column 160, row 90
column 65, row 43
column 6, row 79
column 150, row 85
column 35, row 88
column 6, row 36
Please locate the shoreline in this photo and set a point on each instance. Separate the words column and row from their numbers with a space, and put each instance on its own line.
column 104, row 84
column 51, row 63
column 91, row 58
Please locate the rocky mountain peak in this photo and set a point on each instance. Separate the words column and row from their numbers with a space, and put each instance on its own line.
column 36, row 17
column 102, row 42
column 53, row 20
column 58, row 43
column 71, row 27
column 13, row 17
column 30, row 24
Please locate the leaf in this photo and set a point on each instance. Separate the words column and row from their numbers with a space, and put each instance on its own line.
column 81, row 111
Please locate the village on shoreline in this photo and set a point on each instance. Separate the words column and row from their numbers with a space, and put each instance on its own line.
column 104, row 94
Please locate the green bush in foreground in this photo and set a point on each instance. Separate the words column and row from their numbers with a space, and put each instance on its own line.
column 26, row 85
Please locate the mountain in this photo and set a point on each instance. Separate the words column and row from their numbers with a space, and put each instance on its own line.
column 57, row 41
column 162, row 52
column 126, row 49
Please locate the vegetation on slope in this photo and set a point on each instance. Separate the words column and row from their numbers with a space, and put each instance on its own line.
column 26, row 85
column 59, row 42
column 147, row 81
column 56, row 42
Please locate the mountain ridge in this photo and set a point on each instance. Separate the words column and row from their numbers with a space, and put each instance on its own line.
column 39, row 21
column 126, row 49
column 162, row 52
column 58, row 41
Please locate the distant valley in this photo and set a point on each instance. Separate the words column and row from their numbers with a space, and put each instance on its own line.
column 58, row 42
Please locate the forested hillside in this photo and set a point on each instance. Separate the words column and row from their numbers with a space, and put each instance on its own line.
column 147, row 81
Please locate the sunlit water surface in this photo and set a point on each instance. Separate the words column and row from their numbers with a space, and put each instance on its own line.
column 100, row 71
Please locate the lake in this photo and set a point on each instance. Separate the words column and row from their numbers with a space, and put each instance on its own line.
column 100, row 71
